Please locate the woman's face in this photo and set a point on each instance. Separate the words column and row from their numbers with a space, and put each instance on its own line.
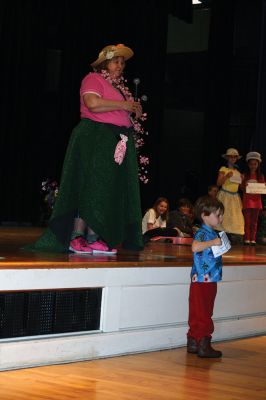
column 232, row 160
column 162, row 207
column 253, row 165
column 116, row 66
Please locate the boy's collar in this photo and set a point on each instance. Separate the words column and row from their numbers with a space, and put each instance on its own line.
column 207, row 227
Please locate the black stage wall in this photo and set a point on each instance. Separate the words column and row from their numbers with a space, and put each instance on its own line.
column 235, row 90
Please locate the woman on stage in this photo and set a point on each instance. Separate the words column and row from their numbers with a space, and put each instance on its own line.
column 98, row 205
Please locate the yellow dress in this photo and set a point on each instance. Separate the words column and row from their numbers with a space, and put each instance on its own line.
column 233, row 221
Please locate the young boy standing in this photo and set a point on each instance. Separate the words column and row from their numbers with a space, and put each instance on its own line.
column 206, row 272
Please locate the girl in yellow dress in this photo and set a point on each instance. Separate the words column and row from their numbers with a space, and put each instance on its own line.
column 229, row 179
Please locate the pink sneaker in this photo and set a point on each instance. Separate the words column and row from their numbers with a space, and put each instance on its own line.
column 99, row 247
column 80, row 245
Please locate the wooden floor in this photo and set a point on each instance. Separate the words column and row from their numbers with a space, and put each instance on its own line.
column 165, row 375
column 12, row 239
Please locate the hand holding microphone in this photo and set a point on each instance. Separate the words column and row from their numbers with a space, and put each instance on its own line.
column 134, row 107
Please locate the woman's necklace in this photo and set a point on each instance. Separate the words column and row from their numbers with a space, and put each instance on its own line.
column 139, row 131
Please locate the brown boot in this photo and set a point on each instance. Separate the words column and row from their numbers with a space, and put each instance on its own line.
column 192, row 345
column 205, row 349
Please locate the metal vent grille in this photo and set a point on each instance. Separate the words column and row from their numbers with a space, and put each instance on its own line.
column 31, row 313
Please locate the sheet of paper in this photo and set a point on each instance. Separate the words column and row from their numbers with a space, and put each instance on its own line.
column 235, row 179
column 256, row 188
column 225, row 246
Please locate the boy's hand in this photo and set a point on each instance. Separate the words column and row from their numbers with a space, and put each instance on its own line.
column 217, row 242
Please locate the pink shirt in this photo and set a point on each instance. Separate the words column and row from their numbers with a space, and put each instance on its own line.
column 95, row 83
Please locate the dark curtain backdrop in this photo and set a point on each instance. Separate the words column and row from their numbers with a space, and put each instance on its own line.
column 218, row 93
column 259, row 139
column 235, row 114
column 47, row 47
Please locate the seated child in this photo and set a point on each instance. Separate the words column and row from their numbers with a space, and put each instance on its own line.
column 154, row 221
column 213, row 191
column 182, row 219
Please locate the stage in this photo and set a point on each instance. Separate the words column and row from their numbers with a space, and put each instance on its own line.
column 143, row 298
column 12, row 239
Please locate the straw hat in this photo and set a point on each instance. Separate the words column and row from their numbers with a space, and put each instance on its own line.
column 253, row 155
column 231, row 152
column 111, row 51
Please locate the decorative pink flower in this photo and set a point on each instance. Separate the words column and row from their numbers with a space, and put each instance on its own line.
column 144, row 160
column 139, row 132
column 120, row 149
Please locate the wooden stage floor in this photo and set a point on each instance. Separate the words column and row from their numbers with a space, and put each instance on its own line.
column 163, row 375
column 12, row 255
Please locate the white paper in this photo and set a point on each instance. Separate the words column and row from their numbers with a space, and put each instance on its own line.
column 235, row 178
column 256, row 188
column 225, row 246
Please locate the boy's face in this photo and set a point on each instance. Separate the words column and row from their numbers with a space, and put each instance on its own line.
column 214, row 219
column 185, row 210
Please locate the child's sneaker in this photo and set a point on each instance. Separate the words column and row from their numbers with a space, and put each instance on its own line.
column 99, row 247
column 80, row 245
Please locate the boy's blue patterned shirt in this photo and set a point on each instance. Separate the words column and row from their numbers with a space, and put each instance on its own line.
column 205, row 267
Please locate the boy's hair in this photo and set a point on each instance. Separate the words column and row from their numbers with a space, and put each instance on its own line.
column 184, row 202
column 207, row 205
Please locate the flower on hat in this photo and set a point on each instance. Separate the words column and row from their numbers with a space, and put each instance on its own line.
column 231, row 152
column 109, row 55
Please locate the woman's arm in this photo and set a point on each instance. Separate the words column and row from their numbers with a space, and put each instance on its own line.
column 198, row 246
column 222, row 178
column 243, row 184
column 98, row 104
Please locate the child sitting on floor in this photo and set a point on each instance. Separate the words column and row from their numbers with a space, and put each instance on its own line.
column 155, row 219
column 182, row 219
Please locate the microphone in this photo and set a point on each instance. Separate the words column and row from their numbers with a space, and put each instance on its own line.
column 136, row 82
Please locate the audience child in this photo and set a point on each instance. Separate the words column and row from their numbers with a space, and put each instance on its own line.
column 252, row 204
column 206, row 272
column 182, row 219
column 155, row 219
column 213, row 191
column 229, row 179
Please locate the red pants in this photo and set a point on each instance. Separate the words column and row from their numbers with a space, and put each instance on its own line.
column 251, row 216
column 201, row 303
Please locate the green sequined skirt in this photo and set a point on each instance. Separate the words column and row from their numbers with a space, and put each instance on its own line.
column 97, row 189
